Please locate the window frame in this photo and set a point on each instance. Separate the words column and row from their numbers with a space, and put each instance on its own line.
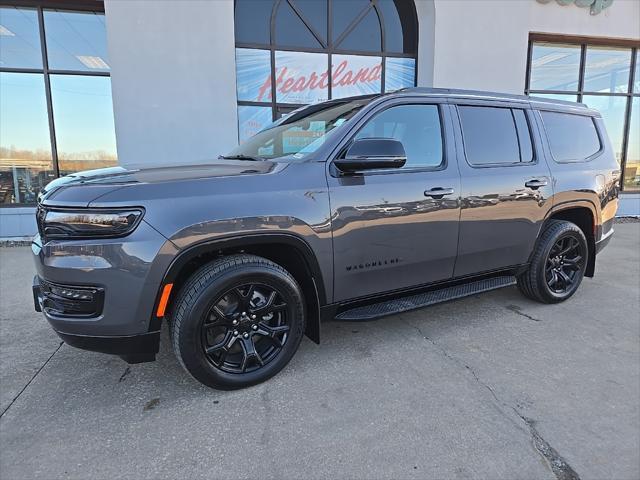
column 71, row 6
column 528, row 117
column 328, row 47
column 584, row 42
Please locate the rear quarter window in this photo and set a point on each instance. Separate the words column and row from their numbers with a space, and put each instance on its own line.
column 572, row 138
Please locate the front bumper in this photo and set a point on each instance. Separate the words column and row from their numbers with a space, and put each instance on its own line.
column 124, row 275
column 133, row 348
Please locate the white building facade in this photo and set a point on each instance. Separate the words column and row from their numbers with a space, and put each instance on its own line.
column 86, row 84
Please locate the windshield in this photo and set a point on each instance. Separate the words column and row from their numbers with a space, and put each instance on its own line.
column 300, row 133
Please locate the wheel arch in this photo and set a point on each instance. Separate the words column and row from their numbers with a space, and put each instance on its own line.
column 584, row 215
column 287, row 250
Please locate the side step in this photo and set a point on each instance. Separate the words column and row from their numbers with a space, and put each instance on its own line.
column 404, row 304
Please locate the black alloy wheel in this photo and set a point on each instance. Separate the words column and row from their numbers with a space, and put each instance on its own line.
column 557, row 265
column 246, row 328
column 237, row 321
column 564, row 264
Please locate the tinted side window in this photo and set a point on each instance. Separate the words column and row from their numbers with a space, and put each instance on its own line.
column 494, row 135
column 571, row 137
column 416, row 126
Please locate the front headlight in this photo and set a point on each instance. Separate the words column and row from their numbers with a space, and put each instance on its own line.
column 83, row 223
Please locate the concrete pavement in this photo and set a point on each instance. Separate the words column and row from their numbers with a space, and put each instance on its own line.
column 491, row 386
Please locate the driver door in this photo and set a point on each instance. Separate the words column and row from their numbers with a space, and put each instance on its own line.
column 397, row 228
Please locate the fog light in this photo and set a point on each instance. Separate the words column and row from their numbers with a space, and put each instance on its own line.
column 72, row 294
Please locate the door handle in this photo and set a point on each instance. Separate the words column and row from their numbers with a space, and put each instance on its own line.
column 438, row 192
column 535, row 184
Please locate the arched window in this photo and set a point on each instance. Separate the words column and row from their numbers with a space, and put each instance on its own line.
column 294, row 52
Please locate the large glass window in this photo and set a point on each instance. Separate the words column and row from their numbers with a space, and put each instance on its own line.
column 599, row 73
column 19, row 38
column 76, row 41
column 416, row 126
column 56, row 115
column 83, row 116
column 25, row 147
column 307, row 51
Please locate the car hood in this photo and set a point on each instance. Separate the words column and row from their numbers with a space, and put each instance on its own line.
column 81, row 188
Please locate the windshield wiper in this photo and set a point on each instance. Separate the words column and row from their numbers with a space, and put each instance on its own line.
column 242, row 157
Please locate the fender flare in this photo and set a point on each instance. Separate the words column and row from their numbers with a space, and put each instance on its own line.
column 248, row 240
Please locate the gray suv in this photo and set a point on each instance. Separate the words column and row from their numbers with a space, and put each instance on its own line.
column 351, row 209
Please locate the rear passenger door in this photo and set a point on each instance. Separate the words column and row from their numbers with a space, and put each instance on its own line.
column 505, row 183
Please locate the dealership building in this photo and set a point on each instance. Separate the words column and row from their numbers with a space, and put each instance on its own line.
column 88, row 84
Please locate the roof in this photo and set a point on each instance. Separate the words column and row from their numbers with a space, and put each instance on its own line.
column 483, row 95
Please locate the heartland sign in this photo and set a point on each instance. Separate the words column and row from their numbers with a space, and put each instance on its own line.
column 344, row 77
column 302, row 77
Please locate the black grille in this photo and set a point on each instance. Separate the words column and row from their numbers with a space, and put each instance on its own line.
column 41, row 212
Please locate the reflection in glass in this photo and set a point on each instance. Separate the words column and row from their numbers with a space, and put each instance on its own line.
column 76, row 41
column 19, row 38
column 393, row 36
column 83, row 117
column 291, row 31
column 607, row 69
column 554, row 67
column 250, row 25
column 366, row 36
column 315, row 13
column 344, row 12
column 632, row 167
column 613, row 111
column 25, row 146
column 557, row 96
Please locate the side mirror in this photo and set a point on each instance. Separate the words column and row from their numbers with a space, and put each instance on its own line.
column 371, row 154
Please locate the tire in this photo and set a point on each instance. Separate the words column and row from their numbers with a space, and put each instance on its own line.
column 237, row 321
column 556, row 270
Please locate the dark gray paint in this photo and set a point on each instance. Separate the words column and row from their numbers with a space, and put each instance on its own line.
column 490, row 220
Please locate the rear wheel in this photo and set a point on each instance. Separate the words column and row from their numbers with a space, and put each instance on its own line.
column 558, row 263
column 237, row 321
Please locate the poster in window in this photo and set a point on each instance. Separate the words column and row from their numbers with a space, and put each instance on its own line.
column 301, row 77
column 400, row 73
column 355, row 75
column 253, row 71
column 251, row 120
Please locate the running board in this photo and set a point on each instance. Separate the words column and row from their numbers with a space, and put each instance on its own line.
column 404, row 304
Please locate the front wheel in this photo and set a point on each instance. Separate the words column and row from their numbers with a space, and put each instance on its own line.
column 237, row 321
column 557, row 265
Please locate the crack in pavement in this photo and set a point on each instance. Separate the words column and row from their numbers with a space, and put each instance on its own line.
column 558, row 465
column 516, row 309
column 127, row 371
column 31, row 380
